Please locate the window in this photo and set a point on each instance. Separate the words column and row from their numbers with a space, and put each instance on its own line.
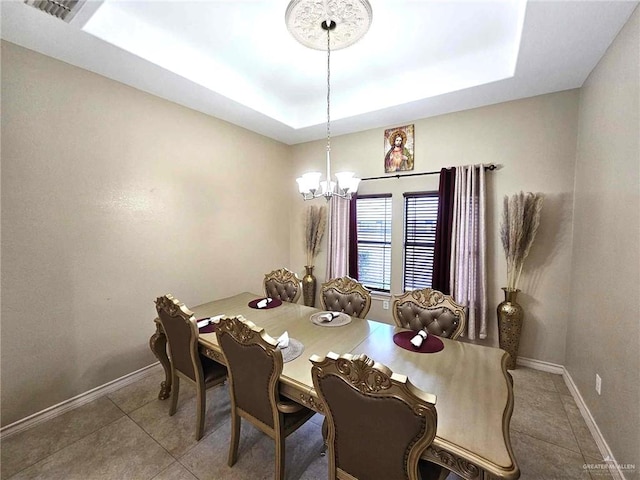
column 373, row 215
column 421, row 216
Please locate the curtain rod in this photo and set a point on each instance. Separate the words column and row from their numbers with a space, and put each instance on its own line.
column 490, row 167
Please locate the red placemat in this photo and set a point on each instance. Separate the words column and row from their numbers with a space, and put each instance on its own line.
column 431, row 345
column 275, row 302
column 207, row 328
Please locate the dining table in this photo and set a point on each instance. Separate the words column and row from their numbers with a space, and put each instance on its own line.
column 473, row 388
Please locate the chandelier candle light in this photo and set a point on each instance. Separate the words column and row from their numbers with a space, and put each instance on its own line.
column 307, row 20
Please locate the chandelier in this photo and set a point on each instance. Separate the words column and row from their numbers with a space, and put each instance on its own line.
column 345, row 22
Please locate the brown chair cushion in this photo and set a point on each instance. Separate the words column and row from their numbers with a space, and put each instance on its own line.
column 283, row 291
column 213, row 372
column 296, row 419
column 365, row 447
column 251, row 370
column 439, row 321
column 351, row 304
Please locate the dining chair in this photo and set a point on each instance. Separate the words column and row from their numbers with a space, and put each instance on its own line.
column 379, row 423
column 346, row 295
column 283, row 284
column 181, row 330
column 430, row 309
column 255, row 364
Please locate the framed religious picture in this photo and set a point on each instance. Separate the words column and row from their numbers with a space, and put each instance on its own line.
column 398, row 147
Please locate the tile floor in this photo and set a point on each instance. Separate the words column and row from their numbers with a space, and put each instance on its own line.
column 129, row 435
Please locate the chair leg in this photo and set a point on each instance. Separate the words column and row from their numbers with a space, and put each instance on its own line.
column 280, row 449
column 325, row 434
column 235, row 438
column 174, row 394
column 201, row 407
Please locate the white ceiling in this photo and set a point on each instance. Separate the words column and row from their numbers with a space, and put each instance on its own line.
column 236, row 60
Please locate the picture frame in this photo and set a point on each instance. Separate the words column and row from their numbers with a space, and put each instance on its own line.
column 399, row 149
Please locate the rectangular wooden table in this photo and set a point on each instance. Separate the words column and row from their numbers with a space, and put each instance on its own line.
column 474, row 391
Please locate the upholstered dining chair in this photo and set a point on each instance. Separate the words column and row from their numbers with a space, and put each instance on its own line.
column 378, row 422
column 180, row 328
column 283, row 284
column 430, row 309
column 255, row 364
column 346, row 295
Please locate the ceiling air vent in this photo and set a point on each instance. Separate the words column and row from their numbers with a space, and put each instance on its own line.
column 62, row 9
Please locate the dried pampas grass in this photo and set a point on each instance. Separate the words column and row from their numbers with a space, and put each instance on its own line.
column 315, row 222
column 520, row 222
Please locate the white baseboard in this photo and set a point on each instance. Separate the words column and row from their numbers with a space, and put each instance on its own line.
column 614, row 468
column 540, row 365
column 78, row 400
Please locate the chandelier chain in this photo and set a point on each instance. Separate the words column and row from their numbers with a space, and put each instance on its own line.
column 328, row 87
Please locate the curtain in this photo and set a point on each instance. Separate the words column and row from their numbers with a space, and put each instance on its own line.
column 444, row 224
column 338, row 243
column 468, row 282
column 353, row 238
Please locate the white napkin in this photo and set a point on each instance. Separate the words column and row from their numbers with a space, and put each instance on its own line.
column 207, row 321
column 264, row 302
column 203, row 323
column 283, row 340
column 329, row 316
column 419, row 338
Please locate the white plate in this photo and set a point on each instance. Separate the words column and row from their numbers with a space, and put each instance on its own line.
column 339, row 321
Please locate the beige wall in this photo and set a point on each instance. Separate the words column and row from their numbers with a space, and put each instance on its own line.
column 604, row 313
column 534, row 141
column 110, row 198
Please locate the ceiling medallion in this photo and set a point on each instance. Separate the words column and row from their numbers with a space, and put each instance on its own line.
column 304, row 19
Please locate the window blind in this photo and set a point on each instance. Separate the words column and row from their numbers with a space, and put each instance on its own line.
column 373, row 214
column 421, row 216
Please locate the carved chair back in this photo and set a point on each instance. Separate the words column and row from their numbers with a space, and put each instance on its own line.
column 346, row 295
column 181, row 331
column 180, row 328
column 378, row 422
column 283, row 284
column 255, row 364
column 430, row 309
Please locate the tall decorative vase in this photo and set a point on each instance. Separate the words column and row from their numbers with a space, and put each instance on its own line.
column 309, row 287
column 510, row 315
